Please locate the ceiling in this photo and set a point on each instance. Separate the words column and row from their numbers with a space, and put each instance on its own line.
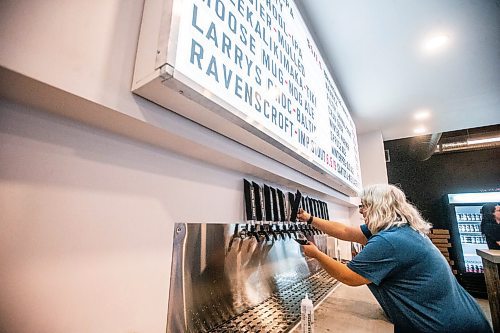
column 375, row 53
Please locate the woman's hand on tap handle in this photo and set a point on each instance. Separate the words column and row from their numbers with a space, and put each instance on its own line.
column 303, row 215
column 310, row 250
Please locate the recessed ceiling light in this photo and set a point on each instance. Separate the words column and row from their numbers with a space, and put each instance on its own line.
column 419, row 130
column 422, row 114
column 435, row 42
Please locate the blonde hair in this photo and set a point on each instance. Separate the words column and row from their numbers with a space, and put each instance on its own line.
column 386, row 206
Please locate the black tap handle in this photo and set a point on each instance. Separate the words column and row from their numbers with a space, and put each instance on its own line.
column 253, row 233
column 265, row 234
column 277, row 231
column 282, row 232
column 273, row 233
column 235, row 234
column 302, row 241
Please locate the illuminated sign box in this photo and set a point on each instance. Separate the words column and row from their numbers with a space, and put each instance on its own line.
column 251, row 71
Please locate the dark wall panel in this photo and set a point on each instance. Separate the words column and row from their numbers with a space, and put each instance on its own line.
column 425, row 182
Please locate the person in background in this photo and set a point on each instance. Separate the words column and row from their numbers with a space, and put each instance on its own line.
column 490, row 225
column 406, row 273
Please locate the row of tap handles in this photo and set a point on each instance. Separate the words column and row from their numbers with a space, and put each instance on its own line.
column 275, row 231
column 270, row 214
column 266, row 203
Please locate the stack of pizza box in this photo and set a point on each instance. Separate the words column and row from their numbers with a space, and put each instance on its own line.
column 441, row 238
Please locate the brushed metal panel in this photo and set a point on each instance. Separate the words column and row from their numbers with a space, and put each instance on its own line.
column 220, row 273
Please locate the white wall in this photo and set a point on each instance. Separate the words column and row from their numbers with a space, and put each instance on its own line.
column 373, row 166
column 87, row 215
column 372, row 158
column 87, row 223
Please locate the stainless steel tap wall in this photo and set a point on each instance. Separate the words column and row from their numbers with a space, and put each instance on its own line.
column 220, row 276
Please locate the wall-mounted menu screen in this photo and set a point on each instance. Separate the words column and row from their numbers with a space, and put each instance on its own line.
column 257, row 63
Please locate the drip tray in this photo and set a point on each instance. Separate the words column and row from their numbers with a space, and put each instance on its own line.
column 280, row 312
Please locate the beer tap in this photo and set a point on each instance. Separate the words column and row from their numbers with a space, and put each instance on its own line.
column 286, row 231
column 294, row 210
column 267, row 203
column 301, row 239
column 314, row 231
column 263, row 232
column 253, row 233
column 272, row 232
column 297, row 227
column 235, row 234
column 260, row 211
column 307, row 229
column 280, row 231
column 244, row 232
column 277, row 230
column 300, row 226
column 292, row 229
column 250, row 208
column 282, row 207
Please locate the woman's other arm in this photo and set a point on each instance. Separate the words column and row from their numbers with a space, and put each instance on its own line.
column 335, row 229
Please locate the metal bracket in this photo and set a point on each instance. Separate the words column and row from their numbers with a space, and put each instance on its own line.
column 167, row 72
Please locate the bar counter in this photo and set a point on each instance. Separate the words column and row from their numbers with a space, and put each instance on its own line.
column 491, row 263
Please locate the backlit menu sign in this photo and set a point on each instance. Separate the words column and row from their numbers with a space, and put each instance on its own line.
column 258, row 57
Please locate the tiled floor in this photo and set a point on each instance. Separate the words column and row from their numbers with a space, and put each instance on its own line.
column 354, row 309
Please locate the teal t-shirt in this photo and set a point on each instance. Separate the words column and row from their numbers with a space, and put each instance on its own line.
column 414, row 284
